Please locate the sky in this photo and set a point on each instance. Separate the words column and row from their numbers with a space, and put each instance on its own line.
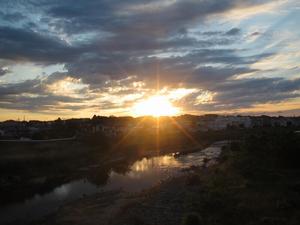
column 80, row 58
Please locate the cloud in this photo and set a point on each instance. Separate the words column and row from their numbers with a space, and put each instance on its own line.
column 38, row 95
column 12, row 17
column 28, row 86
column 4, row 71
column 255, row 33
column 135, row 30
column 136, row 17
column 26, row 45
column 233, row 31
column 107, row 46
column 247, row 93
column 210, row 75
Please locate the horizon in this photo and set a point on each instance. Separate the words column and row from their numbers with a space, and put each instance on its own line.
column 73, row 60
column 152, row 116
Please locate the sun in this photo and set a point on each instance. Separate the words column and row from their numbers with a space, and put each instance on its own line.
column 157, row 105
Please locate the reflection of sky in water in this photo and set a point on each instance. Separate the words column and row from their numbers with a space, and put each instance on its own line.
column 148, row 172
column 143, row 174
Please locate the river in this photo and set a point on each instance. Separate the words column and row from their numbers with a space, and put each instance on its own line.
column 143, row 174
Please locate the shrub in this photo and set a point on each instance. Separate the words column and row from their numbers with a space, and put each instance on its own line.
column 191, row 219
column 192, row 180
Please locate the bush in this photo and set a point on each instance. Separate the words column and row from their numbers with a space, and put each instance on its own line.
column 192, row 180
column 191, row 219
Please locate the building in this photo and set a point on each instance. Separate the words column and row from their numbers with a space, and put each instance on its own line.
column 223, row 122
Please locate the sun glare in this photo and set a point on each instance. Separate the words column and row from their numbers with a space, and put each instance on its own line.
column 155, row 106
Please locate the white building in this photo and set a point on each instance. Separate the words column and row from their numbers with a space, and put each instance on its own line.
column 223, row 122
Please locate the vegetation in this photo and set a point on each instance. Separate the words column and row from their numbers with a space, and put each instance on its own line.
column 257, row 182
column 191, row 219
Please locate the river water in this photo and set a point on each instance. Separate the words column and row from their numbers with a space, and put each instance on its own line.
column 142, row 174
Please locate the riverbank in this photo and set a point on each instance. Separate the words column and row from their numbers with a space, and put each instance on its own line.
column 255, row 182
column 31, row 168
column 25, row 140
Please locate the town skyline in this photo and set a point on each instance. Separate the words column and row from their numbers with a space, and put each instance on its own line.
column 35, row 130
column 53, row 118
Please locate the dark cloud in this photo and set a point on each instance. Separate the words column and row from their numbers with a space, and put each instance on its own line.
column 210, row 75
column 28, row 86
column 118, row 16
column 246, row 93
column 255, row 33
column 233, row 31
column 4, row 71
column 233, row 95
column 188, row 69
column 129, row 29
column 38, row 103
column 211, row 33
column 12, row 17
column 20, row 44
